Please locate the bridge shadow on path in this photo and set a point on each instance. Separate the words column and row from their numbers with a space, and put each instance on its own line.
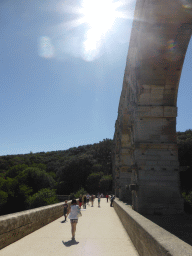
column 178, row 225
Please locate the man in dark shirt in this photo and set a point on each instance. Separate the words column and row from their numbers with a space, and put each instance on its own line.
column 112, row 199
column 65, row 211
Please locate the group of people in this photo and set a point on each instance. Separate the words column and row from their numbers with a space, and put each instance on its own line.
column 83, row 200
column 74, row 211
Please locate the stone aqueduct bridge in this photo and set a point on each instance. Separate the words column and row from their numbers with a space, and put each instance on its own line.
column 145, row 132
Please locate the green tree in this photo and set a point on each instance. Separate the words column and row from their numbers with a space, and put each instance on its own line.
column 24, row 192
column 97, row 168
column 36, row 179
column 184, row 140
column 43, row 197
column 93, row 182
column 73, row 174
column 15, row 170
column 3, row 201
column 66, row 170
column 40, row 166
column 103, row 152
column 105, row 183
column 9, row 186
column 81, row 191
column 3, row 197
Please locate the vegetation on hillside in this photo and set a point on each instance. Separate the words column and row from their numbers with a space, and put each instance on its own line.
column 184, row 140
column 33, row 180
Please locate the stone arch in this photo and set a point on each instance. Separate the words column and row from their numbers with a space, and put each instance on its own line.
column 148, row 105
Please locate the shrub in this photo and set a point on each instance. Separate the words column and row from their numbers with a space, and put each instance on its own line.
column 72, row 196
column 43, row 197
column 82, row 192
column 187, row 202
column 105, row 183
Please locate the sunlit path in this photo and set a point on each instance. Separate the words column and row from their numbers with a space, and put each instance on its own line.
column 99, row 232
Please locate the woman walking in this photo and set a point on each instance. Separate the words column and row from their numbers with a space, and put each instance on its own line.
column 73, row 216
column 92, row 200
column 80, row 201
column 88, row 199
column 84, row 201
column 99, row 199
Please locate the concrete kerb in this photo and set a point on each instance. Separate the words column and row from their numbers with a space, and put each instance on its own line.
column 148, row 238
column 17, row 225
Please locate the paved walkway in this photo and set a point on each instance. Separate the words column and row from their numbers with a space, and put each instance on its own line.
column 99, row 232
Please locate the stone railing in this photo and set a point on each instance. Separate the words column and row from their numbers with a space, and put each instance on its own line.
column 62, row 198
column 148, row 238
column 17, row 225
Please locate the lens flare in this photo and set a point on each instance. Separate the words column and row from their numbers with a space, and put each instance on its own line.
column 171, row 45
column 187, row 8
column 99, row 19
column 46, row 49
column 91, row 45
column 172, row 52
column 99, row 15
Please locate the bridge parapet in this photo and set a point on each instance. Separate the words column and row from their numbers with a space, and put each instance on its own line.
column 148, row 238
column 17, row 225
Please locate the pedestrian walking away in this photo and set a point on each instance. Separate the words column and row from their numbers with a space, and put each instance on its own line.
column 74, row 211
column 92, row 200
column 88, row 199
column 84, row 201
column 80, row 201
column 112, row 199
column 99, row 199
column 107, row 196
column 65, row 210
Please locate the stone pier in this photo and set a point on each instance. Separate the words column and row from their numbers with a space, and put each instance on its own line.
column 145, row 152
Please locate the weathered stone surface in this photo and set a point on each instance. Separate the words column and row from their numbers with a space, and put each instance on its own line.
column 148, row 238
column 17, row 225
column 146, row 122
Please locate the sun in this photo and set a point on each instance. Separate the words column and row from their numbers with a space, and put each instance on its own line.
column 99, row 16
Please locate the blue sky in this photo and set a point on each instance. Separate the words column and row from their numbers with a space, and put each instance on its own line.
column 61, row 75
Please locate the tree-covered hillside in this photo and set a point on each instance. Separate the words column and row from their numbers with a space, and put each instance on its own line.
column 25, row 180
column 33, row 180
column 184, row 140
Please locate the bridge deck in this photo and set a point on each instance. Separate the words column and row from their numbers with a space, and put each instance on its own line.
column 99, row 232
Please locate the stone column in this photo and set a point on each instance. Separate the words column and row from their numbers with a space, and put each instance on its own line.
column 156, row 158
column 148, row 106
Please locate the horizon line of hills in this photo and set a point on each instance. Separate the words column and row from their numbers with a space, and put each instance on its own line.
column 26, row 179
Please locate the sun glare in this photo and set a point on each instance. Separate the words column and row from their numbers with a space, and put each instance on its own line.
column 99, row 18
column 99, row 15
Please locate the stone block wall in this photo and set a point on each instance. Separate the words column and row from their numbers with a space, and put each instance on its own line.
column 17, row 225
column 145, row 131
column 148, row 238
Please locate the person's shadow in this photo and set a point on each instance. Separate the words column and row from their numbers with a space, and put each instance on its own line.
column 70, row 243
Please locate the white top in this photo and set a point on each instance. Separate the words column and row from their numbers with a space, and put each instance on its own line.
column 74, row 212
